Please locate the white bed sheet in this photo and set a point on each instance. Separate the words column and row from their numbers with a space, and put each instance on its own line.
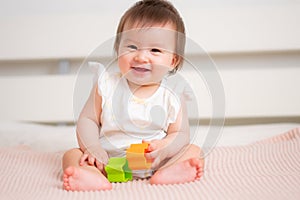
column 58, row 138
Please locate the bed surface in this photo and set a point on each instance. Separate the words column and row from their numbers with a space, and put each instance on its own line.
column 266, row 169
column 58, row 138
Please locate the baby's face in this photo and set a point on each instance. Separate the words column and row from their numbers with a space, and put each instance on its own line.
column 146, row 55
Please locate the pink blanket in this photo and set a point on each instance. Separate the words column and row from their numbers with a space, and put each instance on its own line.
column 268, row 169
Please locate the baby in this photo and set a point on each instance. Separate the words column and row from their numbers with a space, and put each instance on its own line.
column 137, row 105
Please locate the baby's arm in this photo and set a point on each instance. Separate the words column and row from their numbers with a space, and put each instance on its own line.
column 178, row 136
column 88, row 131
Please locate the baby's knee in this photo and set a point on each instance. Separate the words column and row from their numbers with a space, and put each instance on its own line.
column 72, row 153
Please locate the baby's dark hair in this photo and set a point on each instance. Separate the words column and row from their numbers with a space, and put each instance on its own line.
column 148, row 12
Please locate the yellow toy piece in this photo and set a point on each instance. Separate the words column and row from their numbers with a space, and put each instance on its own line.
column 135, row 155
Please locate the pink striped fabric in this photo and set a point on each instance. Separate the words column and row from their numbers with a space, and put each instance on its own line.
column 268, row 169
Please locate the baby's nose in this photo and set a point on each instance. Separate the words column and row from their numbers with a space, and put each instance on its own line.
column 141, row 56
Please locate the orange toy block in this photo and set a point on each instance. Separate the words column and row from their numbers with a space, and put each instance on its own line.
column 135, row 155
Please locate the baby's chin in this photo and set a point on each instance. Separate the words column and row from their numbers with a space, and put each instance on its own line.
column 144, row 81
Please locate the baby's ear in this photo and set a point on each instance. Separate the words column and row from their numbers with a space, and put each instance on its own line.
column 175, row 60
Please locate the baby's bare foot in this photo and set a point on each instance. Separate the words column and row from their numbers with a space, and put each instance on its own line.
column 80, row 179
column 186, row 171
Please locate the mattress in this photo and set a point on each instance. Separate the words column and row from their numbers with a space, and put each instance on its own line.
column 61, row 137
column 264, row 169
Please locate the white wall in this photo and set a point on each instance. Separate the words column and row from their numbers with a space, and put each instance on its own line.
column 255, row 45
column 73, row 28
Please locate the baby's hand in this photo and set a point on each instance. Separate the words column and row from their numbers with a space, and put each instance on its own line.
column 157, row 152
column 93, row 157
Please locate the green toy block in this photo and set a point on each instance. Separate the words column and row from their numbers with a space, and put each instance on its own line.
column 117, row 170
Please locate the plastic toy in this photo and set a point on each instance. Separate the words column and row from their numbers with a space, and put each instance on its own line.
column 117, row 170
column 135, row 155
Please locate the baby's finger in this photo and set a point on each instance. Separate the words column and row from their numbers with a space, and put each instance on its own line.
column 101, row 156
column 105, row 160
column 91, row 160
column 152, row 145
column 148, row 157
column 102, row 159
column 83, row 159
column 153, row 154
column 99, row 165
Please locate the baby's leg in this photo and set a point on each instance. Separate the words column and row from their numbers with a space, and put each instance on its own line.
column 187, row 166
column 82, row 178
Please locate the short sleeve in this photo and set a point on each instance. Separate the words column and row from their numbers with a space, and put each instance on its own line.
column 173, row 107
column 181, row 93
column 101, row 77
column 105, row 80
column 98, row 70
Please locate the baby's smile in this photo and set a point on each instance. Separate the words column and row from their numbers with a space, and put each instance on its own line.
column 141, row 69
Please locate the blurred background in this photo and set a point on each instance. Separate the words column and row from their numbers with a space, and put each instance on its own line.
column 255, row 45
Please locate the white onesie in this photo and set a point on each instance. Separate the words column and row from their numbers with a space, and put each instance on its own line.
column 127, row 119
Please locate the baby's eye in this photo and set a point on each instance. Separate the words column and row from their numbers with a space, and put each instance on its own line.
column 155, row 50
column 132, row 47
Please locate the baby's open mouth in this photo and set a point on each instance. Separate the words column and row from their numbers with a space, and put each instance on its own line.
column 140, row 69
